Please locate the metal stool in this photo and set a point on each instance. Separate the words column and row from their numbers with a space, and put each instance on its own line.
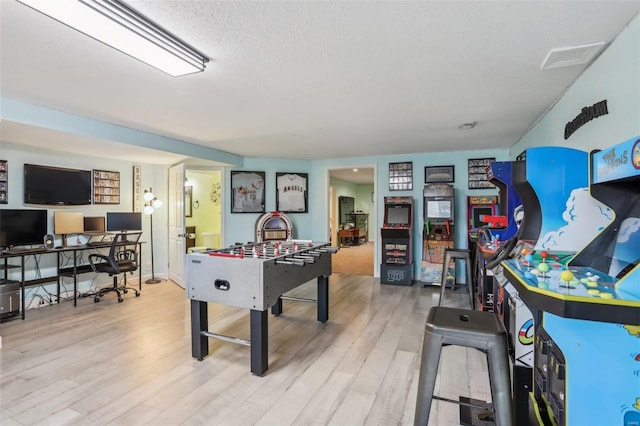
column 481, row 330
column 453, row 254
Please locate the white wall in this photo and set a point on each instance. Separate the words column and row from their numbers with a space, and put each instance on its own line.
column 614, row 76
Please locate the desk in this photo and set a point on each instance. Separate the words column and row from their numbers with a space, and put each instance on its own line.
column 351, row 237
column 67, row 271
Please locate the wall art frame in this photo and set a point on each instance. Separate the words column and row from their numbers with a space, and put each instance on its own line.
column 444, row 174
column 247, row 191
column 292, row 192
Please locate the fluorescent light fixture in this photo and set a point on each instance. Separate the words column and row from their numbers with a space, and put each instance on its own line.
column 117, row 25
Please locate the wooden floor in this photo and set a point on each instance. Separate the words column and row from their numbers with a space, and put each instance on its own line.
column 130, row 363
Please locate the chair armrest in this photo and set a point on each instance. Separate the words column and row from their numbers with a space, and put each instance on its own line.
column 103, row 259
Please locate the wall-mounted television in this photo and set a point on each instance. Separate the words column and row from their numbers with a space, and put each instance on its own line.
column 56, row 186
column 19, row 227
column 122, row 221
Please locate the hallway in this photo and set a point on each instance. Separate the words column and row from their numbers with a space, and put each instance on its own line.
column 354, row 260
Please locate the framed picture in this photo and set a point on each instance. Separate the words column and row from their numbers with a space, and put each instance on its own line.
column 291, row 192
column 247, row 189
column 188, row 201
column 478, row 173
column 4, row 185
column 401, row 176
column 439, row 174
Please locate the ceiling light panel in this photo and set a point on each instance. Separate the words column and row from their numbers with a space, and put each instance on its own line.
column 115, row 24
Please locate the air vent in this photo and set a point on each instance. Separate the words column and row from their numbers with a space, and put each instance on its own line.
column 560, row 57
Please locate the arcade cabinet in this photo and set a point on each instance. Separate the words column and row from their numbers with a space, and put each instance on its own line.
column 571, row 308
column 397, row 254
column 587, row 333
column 479, row 207
column 438, row 234
column 274, row 226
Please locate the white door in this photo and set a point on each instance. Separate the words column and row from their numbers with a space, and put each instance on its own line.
column 177, row 237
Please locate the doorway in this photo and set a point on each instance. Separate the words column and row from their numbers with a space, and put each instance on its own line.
column 195, row 221
column 353, row 219
column 203, row 209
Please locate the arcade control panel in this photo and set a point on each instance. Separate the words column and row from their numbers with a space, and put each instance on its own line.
column 571, row 291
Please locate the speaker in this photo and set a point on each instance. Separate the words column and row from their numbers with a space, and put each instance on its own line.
column 48, row 241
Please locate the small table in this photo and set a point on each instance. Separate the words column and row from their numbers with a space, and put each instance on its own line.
column 351, row 237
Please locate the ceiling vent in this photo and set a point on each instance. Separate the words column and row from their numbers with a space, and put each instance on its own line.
column 560, row 57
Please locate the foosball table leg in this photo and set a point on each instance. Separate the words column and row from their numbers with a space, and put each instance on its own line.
column 276, row 309
column 323, row 298
column 199, row 323
column 259, row 342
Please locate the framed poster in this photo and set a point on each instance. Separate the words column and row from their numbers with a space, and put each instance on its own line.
column 137, row 189
column 478, row 173
column 439, row 174
column 106, row 187
column 247, row 192
column 291, row 192
column 4, row 184
column 401, row 176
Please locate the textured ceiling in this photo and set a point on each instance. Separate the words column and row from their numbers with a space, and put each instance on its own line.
column 313, row 79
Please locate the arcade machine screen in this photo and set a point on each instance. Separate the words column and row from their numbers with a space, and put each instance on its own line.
column 439, row 209
column 398, row 215
column 477, row 212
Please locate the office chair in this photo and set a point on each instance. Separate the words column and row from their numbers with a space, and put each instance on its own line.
column 122, row 258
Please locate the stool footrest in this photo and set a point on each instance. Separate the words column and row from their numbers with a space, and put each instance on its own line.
column 486, row 406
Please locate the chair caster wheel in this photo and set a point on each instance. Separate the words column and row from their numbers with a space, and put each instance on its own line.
column 96, row 300
column 137, row 294
column 125, row 291
column 120, row 299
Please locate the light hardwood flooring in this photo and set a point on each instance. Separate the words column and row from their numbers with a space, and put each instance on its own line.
column 130, row 363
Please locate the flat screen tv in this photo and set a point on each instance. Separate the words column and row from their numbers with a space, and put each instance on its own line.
column 122, row 222
column 19, row 227
column 56, row 186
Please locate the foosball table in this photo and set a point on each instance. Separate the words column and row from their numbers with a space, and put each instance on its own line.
column 255, row 277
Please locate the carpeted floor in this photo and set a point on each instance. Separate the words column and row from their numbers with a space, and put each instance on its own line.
column 355, row 260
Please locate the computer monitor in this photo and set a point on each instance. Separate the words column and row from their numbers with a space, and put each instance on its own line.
column 122, row 222
column 65, row 223
column 94, row 224
column 22, row 227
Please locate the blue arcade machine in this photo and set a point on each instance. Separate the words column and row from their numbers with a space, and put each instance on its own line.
column 587, row 310
column 551, row 182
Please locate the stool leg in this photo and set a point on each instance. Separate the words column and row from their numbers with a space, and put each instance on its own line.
column 443, row 279
column 431, row 348
column 467, row 266
column 498, row 360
